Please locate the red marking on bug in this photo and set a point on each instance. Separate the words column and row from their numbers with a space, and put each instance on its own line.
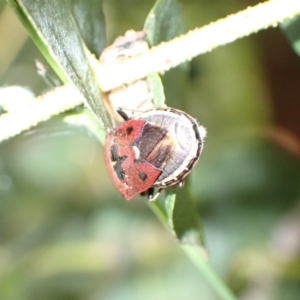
column 128, row 132
column 130, row 175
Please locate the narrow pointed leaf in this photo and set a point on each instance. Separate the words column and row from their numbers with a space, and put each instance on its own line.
column 89, row 17
column 183, row 217
column 164, row 21
column 53, row 23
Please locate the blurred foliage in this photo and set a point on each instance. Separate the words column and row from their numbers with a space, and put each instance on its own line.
column 65, row 233
column 291, row 29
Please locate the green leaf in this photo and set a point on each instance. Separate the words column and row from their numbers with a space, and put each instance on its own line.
column 54, row 30
column 158, row 90
column 183, row 216
column 291, row 28
column 90, row 19
column 164, row 22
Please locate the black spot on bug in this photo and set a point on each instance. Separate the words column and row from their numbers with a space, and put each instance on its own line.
column 129, row 130
column 143, row 176
column 117, row 162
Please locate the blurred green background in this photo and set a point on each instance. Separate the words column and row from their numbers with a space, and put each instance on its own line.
column 65, row 233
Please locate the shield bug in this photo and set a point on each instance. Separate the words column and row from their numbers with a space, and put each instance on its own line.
column 157, row 148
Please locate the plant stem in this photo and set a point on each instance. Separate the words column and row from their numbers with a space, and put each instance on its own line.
column 42, row 108
column 198, row 256
column 158, row 59
column 198, row 41
column 194, row 253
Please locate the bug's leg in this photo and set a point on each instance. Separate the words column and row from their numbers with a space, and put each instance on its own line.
column 122, row 113
column 180, row 183
column 145, row 193
column 150, row 194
